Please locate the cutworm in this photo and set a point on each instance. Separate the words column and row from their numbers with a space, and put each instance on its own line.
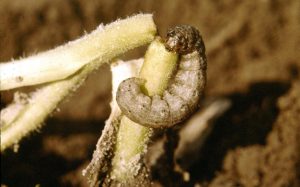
column 182, row 96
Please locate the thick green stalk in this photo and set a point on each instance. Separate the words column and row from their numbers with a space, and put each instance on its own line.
column 132, row 138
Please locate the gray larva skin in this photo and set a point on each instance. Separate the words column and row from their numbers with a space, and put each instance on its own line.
column 182, row 96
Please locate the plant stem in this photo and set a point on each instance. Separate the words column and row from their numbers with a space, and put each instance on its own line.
column 132, row 138
column 104, row 43
column 140, row 31
column 158, row 68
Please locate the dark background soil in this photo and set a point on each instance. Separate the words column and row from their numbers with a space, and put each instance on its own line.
column 255, row 143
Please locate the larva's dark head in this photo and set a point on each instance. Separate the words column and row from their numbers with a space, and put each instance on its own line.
column 184, row 39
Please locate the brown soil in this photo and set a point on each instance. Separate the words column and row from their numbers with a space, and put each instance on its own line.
column 253, row 54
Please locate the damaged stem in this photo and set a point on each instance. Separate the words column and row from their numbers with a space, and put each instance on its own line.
column 132, row 138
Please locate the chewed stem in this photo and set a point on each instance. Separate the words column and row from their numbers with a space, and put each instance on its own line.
column 133, row 138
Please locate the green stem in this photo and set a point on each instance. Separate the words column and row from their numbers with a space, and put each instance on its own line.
column 104, row 43
column 132, row 138
column 46, row 99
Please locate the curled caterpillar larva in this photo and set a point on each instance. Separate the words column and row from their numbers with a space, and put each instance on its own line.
column 182, row 96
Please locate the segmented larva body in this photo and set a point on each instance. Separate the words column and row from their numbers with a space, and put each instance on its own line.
column 182, row 96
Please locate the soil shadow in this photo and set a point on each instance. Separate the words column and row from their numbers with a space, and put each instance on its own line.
column 248, row 122
column 44, row 158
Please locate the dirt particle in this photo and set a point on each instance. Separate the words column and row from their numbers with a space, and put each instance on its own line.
column 19, row 79
column 21, row 98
